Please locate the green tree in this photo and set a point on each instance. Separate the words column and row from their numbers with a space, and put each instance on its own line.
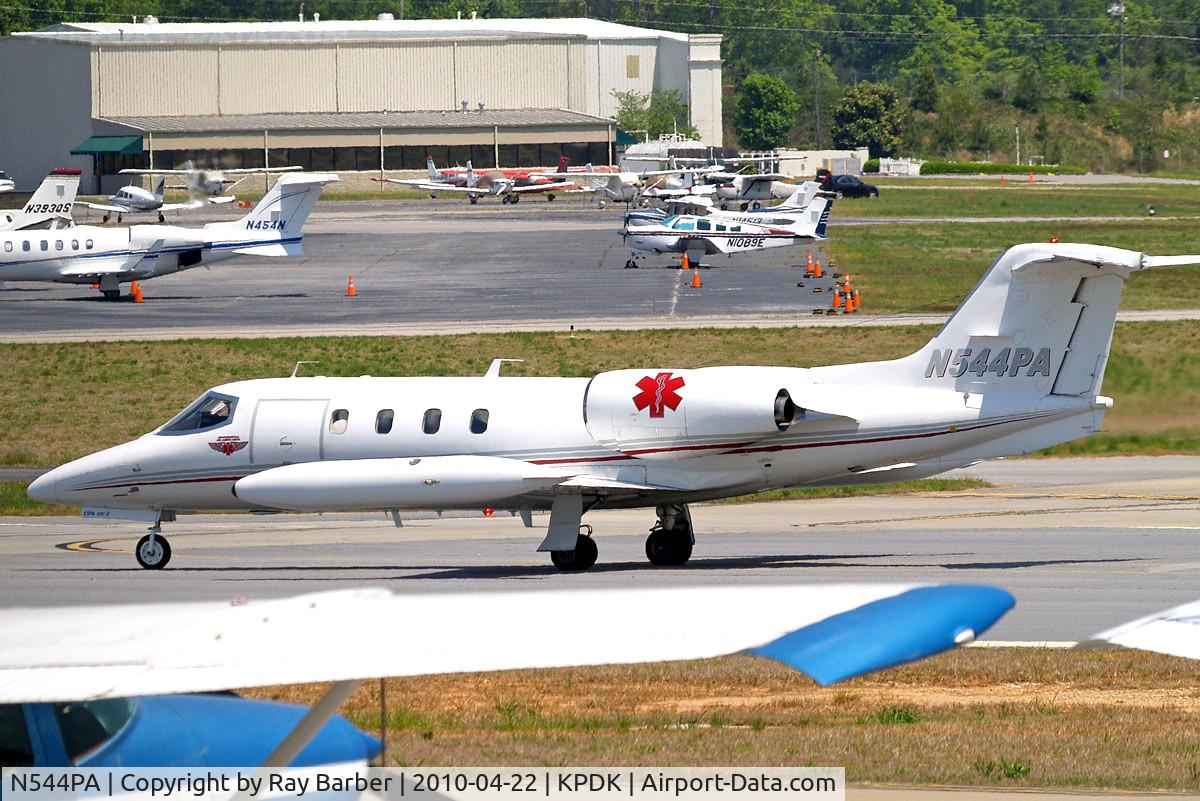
column 662, row 111
column 1028, row 92
column 869, row 115
column 764, row 113
column 925, row 93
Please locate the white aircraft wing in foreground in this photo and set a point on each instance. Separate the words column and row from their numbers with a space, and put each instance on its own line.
column 831, row 632
column 1174, row 631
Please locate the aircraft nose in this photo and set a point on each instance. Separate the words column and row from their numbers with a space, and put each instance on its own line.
column 44, row 488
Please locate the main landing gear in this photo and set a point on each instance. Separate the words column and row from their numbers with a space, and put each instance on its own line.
column 671, row 538
column 579, row 558
column 153, row 551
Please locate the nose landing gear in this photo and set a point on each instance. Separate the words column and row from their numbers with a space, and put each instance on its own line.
column 153, row 551
column 671, row 538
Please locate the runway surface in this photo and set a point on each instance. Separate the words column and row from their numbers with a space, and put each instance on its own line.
column 1083, row 543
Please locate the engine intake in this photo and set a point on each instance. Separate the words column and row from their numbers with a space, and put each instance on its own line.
column 673, row 414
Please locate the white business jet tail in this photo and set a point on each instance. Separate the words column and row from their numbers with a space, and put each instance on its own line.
column 274, row 226
column 49, row 207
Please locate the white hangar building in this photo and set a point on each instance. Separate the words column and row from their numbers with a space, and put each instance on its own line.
column 335, row 95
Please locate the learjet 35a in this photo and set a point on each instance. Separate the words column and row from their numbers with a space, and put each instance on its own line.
column 1017, row 368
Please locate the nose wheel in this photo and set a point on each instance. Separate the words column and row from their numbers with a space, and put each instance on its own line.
column 579, row 558
column 153, row 551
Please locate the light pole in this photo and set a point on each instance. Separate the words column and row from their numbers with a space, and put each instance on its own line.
column 817, row 94
column 1018, row 127
column 1117, row 11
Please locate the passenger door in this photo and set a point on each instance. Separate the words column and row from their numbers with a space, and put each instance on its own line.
column 287, row 431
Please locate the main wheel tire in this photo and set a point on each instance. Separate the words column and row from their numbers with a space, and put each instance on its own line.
column 153, row 555
column 575, row 561
column 110, row 294
column 668, row 550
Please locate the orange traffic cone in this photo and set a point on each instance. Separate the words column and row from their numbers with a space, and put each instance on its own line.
column 1002, row 180
column 837, row 299
column 1031, row 176
column 846, row 284
column 136, row 291
column 696, row 279
column 808, row 268
column 684, row 263
column 351, row 292
column 1054, row 240
column 857, row 300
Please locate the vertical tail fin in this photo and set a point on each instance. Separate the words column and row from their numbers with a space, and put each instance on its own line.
column 434, row 173
column 563, row 162
column 158, row 190
column 813, row 218
column 53, row 201
column 274, row 226
column 1039, row 322
column 472, row 178
column 801, row 198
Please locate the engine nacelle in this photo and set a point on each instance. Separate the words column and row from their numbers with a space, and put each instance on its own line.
column 673, row 414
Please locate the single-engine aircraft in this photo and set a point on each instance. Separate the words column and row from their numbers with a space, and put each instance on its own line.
column 211, row 182
column 132, row 684
column 1017, row 368
column 49, row 207
column 700, row 236
column 134, row 199
column 700, row 205
column 509, row 185
column 631, row 187
column 87, row 254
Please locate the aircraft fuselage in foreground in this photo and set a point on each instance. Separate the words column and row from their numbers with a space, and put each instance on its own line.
column 1017, row 368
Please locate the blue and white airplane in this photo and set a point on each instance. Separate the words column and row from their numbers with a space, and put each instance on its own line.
column 116, row 685
column 110, row 257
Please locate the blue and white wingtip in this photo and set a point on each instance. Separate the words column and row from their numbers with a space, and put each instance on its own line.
column 914, row 624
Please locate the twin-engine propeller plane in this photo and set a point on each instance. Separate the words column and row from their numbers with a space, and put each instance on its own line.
column 1017, row 368
column 86, row 254
column 508, row 185
column 211, row 182
column 728, row 232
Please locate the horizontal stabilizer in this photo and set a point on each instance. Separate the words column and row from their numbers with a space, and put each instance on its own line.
column 76, row 653
column 892, row 631
column 274, row 249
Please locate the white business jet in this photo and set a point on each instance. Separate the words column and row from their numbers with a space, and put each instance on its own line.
column 134, row 199
column 49, row 207
column 1017, row 368
column 707, row 235
column 209, row 182
column 110, row 257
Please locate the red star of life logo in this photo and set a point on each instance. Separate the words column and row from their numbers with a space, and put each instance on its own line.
column 228, row 445
column 658, row 393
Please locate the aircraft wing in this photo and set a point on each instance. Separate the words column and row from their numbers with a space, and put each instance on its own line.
column 830, row 632
column 131, row 171
column 195, row 203
column 221, row 200
column 259, row 170
column 421, row 182
column 103, row 207
column 1174, row 631
column 114, row 264
column 543, row 187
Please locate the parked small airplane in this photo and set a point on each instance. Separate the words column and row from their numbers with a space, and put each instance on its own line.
column 133, row 199
column 748, row 191
column 701, row 205
column 209, row 182
column 1017, row 368
column 110, row 257
column 629, row 187
column 49, row 207
column 6, row 184
column 131, row 684
column 700, row 236
column 508, row 185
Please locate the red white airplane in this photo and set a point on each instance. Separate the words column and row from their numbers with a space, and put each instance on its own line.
column 508, row 184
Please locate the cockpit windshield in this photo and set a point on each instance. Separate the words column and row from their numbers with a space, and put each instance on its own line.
column 210, row 411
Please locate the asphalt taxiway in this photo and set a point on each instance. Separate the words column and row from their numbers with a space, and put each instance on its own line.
column 1083, row 543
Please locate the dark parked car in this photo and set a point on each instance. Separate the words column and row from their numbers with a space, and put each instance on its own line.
column 845, row 185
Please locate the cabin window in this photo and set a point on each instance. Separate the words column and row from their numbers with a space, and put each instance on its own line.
column 720, row 227
column 479, row 421
column 210, row 411
column 14, row 737
column 88, row 244
column 25, row 246
column 86, row 725
column 735, row 228
column 432, row 421
column 703, row 225
column 45, row 245
column 8, row 247
column 383, row 421
column 339, row 421
column 683, row 225
column 74, row 244
column 58, row 244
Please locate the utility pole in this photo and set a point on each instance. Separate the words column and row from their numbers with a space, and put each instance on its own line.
column 1117, row 11
column 817, row 94
column 1018, row 127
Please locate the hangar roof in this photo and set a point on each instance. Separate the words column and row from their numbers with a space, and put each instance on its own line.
column 341, row 30
column 329, row 121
